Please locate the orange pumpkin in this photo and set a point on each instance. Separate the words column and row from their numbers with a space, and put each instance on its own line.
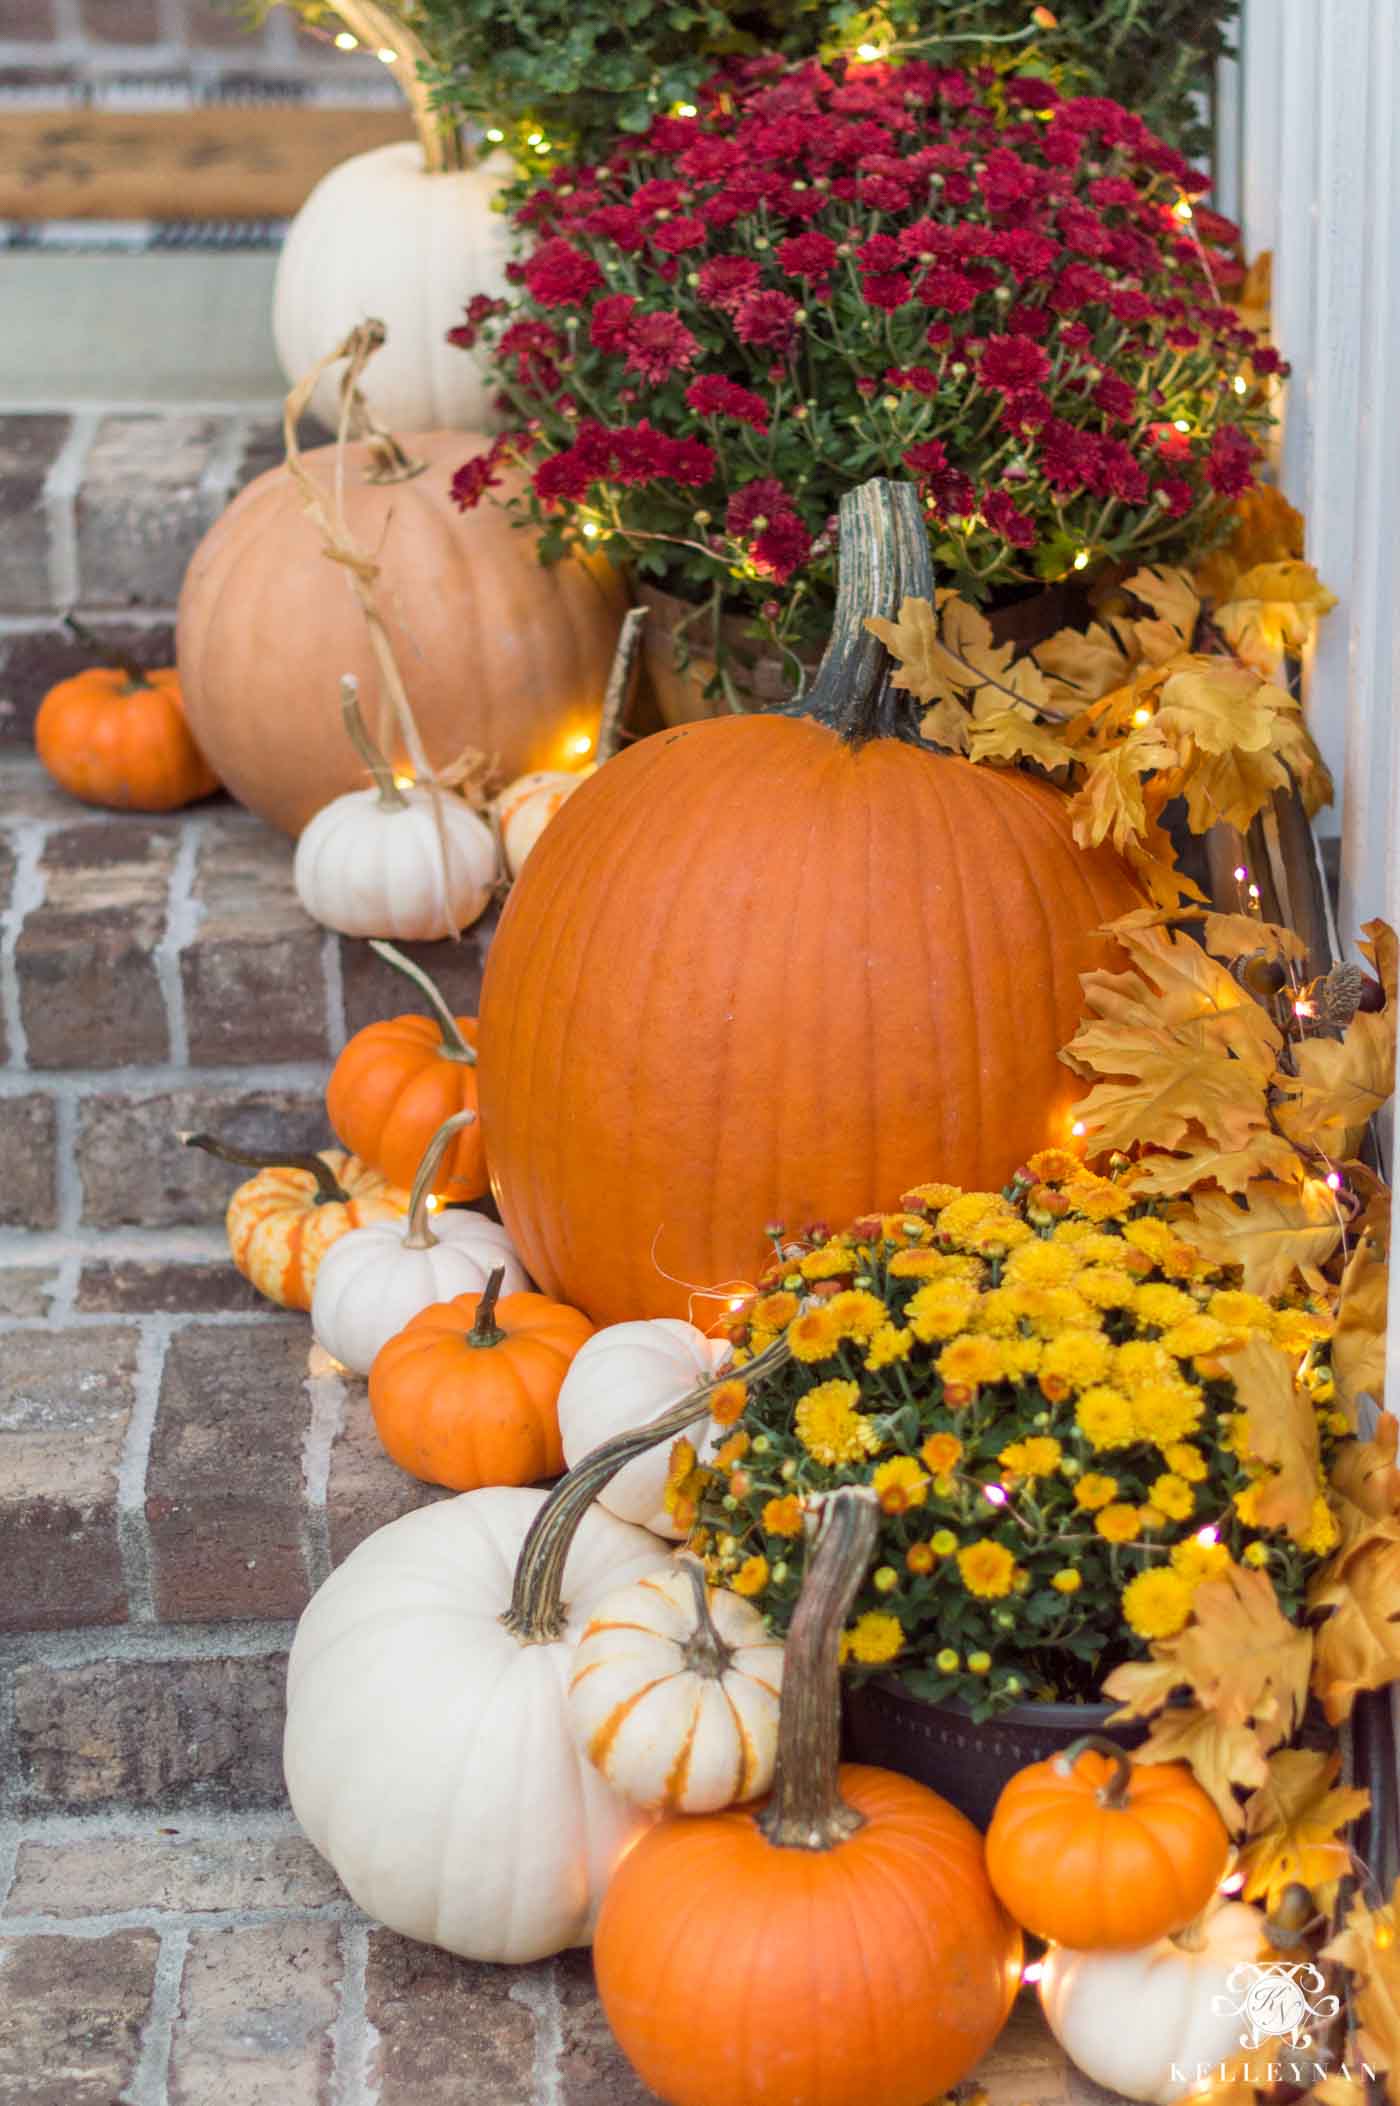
column 768, row 968
column 849, row 1944
column 116, row 735
column 1100, row 1853
column 467, row 1393
column 499, row 652
column 396, row 1083
column 281, row 1223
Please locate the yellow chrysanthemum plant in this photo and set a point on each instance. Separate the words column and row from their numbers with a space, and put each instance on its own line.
column 1072, row 1418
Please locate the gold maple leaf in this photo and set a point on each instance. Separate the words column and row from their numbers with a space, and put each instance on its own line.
column 1273, row 609
column 1176, row 604
column 1266, row 1154
column 1280, row 1228
column 1266, row 529
column 1220, row 706
column 1342, row 1083
column 1241, row 1655
column 1006, row 733
column 1174, row 982
column 1358, row 1646
column 1240, row 936
column 1293, row 1823
column 1358, row 1342
column 1110, row 803
column 1367, row 1946
column 1083, row 665
column 1365, row 1493
column 1280, row 1431
column 1221, row 1756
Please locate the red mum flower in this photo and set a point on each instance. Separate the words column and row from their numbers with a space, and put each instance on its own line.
column 1177, row 497
column 921, row 379
column 475, row 477
column 659, row 345
column 559, row 275
column 1230, row 463
column 618, row 224
column 711, row 396
column 1077, row 286
column 1006, row 519
column 885, row 290
column 767, row 318
column 881, row 253
column 725, row 281
column 953, row 495
column 1116, row 398
column 782, row 548
column 807, row 255
column 1012, row 362
column 929, row 457
column 675, row 236
column 1007, row 181
column 946, row 290
column 754, row 507
column 611, row 322
column 480, row 308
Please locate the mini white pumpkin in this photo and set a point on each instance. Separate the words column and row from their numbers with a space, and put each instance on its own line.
column 674, row 1693
column 1130, row 2019
column 383, row 862
column 383, row 1275
column 621, row 1379
column 525, row 807
column 386, row 234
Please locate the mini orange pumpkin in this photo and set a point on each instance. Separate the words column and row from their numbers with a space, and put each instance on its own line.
column 116, row 735
column 397, row 1082
column 851, row 1947
column 467, row 1394
column 281, row 1223
column 1093, row 1851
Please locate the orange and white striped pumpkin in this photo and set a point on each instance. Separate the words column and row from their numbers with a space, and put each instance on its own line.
column 526, row 806
column 280, row 1224
column 674, row 1693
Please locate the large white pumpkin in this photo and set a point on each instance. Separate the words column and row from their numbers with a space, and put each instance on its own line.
column 382, row 237
column 1130, row 2020
column 428, row 1750
column 622, row 1379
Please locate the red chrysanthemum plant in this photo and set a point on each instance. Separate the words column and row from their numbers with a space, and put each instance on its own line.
column 826, row 274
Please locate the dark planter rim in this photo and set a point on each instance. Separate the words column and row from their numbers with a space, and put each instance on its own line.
column 1051, row 1714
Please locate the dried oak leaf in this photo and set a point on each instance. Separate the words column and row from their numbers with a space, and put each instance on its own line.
column 1280, row 1431
column 1367, row 1946
column 1221, row 1756
column 1279, row 1228
column 1241, row 1655
column 1293, row 1823
column 1358, row 1342
column 1358, row 1646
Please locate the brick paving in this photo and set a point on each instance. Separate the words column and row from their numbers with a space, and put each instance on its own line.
column 175, row 1479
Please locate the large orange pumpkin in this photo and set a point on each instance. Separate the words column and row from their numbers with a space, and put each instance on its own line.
column 467, row 1393
column 848, row 1945
column 771, row 968
column 1102, row 1854
column 498, row 652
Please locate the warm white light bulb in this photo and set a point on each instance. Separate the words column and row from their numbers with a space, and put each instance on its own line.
column 867, row 53
column 1081, row 560
column 495, row 135
column 345, row 42
column 386, row 57
column 1182, row 209
column 582, row 744
column 1181, row 424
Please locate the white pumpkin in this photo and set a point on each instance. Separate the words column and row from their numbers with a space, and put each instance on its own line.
column 428, row 1754
column 621, row 1379
column 384, row 1274
column 1130, row 2020
column 525, row 807
column 674, row 1693
column 383, row 236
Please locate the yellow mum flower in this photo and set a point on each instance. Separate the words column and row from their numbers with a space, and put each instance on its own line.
column 751, row 1578
column 1022, row 1356
column 947, row 1661
column 1037, row 1457
column 1157, row 1604
column 966, row 1211
column 1247, row 1502
column 1173, row 1497
column 1104, row 1417
column 1232, row 1432
column 941, row 1451
column 734, row 1450
column 987, row 1570
column 829, row 1426
column 971, row 1360
column 1119, row 1524
column 1149, row 1235
column 875, row 1637
column 1080, row 1358
column 1099, row 1199
column 828, row 1263
column 813, row 1336
column 1239, row 1311
column 1188, row 1462
column 1256, row 1553
column 1162, row 1305
column 1197, row 1334
column 1194, row 1561
column 943, row 1542
column 857, row 1313
column 1322, row 1532
column 776, row 1311
column 1296, row 1329
column 1066, row 1580
column 1094, row 1490
column 999, row 1233
column 1143, row 1360
column 888, row 1345
column 1040, row 1264
column 935, row 1265
column 1055, row 1166
column 908, row 1228
column 1151, row 1520
column 940, row 1310
column 783, row 1517
column 932, row 1196
column 727, row 1402
column 1106, row 1286
column 899, row 1484
column 919, row 1557
column 1166, row 1412
column 998, row 1311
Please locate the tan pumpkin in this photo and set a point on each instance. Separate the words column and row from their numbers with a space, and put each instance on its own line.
column 498, row 652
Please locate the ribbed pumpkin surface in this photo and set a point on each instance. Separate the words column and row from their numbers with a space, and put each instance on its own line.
column 496, row 651
column 753, row 974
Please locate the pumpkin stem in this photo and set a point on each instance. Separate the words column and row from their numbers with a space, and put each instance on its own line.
column 391, row 797
column 806, row 1810
column 328, row 1190
column 883, row 561
column 136, row 675
column 454, row 1045
column 384, row 29
column 619, row 688
column 1295, row 1915
column 537, row 1615
column 486, row 1331
column 705, row 1651
column 1114, row 1794
column 420, row 1230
